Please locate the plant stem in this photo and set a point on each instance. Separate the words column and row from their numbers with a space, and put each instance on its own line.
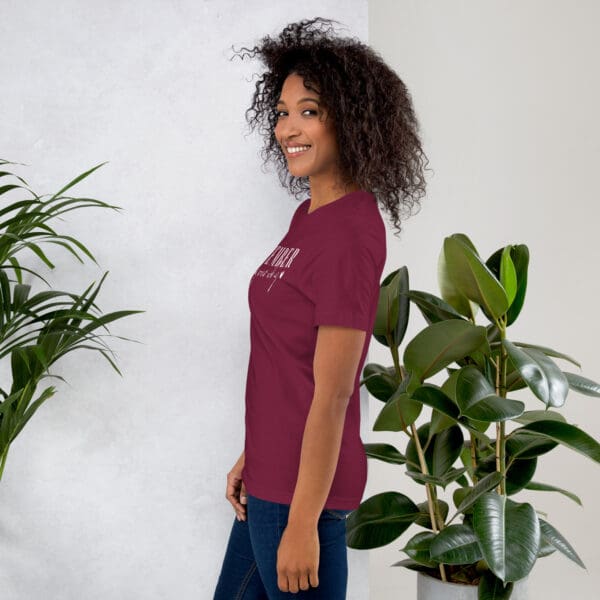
column 436, row 505
column 501, row 391
column 501, row 456
column 430, row 489
column 432, row 503
column 473, row 458
column 396, row 358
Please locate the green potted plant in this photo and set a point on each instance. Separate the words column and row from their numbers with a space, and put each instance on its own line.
column 476, row 442
column 37, row 329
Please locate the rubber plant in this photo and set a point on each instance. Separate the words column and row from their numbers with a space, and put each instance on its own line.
column 475, row 437
column 37, row 329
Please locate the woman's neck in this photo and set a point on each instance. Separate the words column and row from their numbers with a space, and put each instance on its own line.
column 326, row 193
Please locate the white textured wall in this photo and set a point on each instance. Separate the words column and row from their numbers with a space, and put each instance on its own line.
column 115, row 489
column 508, row 96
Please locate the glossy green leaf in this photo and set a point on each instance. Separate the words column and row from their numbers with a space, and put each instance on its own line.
column 440, row 344
column 403, row 306
column 456, row 545
column 445, row 450
column 518, row 473
column 433, row 396
column 458, row 495
column 546, row 548
column 462, row 480
column 541, row 374
column 417, row 548
column 409, row 563
column 384, row 452
column 379, row 520
column 508, row 534
column 432, row 308
column 464, row 239
column 471, row 386
column 477, row 401
column 424, row 519
column 519, row 254
column 493, row 588
column 520, row 257
column 439, row 421
column 567, row 435
column 508, row 275
column 544, row 487
column 548, row 352
column 379, row 381
column 393, row 309
column 495, row 409
column 554, row 537
column 441, row 480
column 473, row 279
column 530, row 416
column 399, row 412
column 441, row 453
column 450, row 292
column 484, row 485
column 526, row 444
column 449, row 388
column 386, row 314
column 583, row 385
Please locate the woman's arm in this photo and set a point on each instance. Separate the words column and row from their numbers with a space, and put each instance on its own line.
column 337, row 354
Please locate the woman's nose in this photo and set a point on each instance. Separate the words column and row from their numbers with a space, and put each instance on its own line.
column 288, row 126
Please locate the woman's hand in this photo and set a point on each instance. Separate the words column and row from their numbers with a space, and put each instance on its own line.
column 236, row 490
column 298, row 558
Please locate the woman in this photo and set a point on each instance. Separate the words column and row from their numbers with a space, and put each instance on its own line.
column 338, row 123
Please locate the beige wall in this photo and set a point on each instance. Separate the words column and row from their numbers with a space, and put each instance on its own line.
column 508, row 96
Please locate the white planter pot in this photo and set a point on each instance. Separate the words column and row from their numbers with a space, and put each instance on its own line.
column 430, row 588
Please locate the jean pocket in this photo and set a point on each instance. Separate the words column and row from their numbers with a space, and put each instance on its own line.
column 336, row 513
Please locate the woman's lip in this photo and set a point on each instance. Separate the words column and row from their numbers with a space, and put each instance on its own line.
column 290, row 154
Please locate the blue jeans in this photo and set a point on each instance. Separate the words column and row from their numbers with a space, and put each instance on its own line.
column 249, row 570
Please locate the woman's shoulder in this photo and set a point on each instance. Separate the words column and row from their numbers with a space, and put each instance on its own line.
column 364, row 220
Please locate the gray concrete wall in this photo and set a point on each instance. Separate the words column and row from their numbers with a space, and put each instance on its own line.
column 116, row 487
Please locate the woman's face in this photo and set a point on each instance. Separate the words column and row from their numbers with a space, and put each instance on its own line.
column 301, row 122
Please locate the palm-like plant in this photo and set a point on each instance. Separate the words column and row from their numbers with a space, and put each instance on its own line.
column 38, row 329
column 498, row 539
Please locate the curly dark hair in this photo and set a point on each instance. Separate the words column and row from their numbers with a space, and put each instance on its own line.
column 376, row 128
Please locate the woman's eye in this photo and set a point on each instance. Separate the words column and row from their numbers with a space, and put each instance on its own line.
column 308, row 110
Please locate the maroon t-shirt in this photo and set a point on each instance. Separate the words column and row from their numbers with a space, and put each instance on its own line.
column 325, row 271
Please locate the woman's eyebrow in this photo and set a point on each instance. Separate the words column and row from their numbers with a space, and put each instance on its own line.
column 280, row 101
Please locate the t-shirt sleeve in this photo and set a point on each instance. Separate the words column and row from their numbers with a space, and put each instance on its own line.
column 345, row 282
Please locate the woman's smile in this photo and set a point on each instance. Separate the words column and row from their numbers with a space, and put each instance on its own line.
column 296, row 150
